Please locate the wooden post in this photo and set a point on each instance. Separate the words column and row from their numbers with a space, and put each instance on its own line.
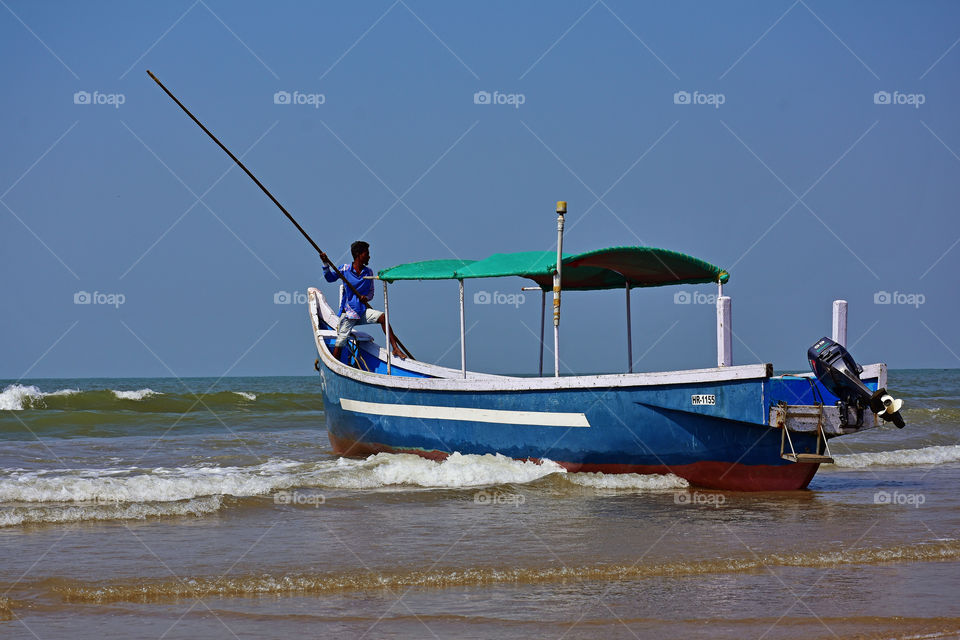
column 724, row 332
column 840, row 322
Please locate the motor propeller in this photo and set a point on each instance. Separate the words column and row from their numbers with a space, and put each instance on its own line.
column 836, row 369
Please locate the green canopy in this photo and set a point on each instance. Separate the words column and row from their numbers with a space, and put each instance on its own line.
column 609, row 268
column 426, row 270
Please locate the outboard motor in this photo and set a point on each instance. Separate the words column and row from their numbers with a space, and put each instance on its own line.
column 836, row 369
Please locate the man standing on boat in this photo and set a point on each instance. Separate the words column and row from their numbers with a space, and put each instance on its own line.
column 354, row 310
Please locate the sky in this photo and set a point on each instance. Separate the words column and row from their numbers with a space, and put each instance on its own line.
column 809, row 148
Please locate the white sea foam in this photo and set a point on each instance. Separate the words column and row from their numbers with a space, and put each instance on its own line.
column 386, row 469
column 156, row 485
column 63, row 392
column 78, row 513
column 139, row 394
column 900, row 457
column 12, row 398
column 246, row 394
column 16, row 397
column 165, row 485
column 627, row 481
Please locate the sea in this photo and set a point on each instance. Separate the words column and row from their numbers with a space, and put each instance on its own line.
column 215, row 508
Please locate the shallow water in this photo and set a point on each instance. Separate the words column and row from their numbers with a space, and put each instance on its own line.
column 149, row 508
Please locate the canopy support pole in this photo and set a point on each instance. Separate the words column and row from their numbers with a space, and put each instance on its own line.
column 386, row 321
column 463, row 344
column 629, row 330
column 561, row 210
column 543, row 308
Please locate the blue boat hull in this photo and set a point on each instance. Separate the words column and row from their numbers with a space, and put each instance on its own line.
column 631, row 430
column 712, row 431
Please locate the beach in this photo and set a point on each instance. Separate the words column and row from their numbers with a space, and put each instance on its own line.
column 216, row 508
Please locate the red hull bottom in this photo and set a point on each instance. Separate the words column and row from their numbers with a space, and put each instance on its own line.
column 729, row 476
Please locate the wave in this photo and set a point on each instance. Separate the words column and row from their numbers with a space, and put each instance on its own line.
column 132, row 485
column 163, row 484
column 139, row 394
column 82, row 513
column 18, row 397
column 456, row 471
column 73, row 495
column 900, row 457
column 627, row 481
column 320, row 583
column 129, row 485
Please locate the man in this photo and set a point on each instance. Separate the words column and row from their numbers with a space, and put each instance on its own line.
column 354, row 310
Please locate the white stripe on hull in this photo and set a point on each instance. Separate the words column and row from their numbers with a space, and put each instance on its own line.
column 499, row 416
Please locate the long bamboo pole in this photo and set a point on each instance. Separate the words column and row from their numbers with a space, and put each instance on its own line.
column 323, row 256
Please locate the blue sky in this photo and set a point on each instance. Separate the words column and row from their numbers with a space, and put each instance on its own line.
column 810, row 148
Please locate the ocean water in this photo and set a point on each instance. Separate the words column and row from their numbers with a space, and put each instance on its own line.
column 149, row 508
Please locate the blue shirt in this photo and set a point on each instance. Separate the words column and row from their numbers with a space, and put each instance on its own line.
column 351, row 304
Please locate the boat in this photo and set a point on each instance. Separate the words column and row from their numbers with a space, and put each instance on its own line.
column 729, row 427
